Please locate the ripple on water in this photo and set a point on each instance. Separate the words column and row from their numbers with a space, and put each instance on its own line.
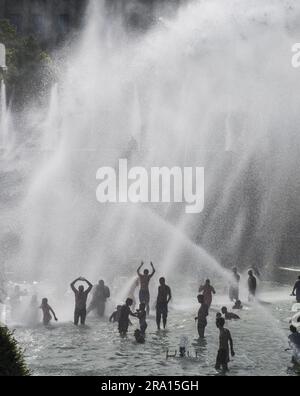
column 98, row 350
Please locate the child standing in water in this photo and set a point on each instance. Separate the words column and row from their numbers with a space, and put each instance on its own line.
column 207, row 291
column 202, row 315
column 47, row 310
column 142, row 314
column 124, row 317
column 225, row 342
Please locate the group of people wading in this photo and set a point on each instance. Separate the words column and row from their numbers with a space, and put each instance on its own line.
column 121, row 315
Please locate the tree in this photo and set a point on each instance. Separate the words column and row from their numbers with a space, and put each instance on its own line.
column 30, row 69
column 12, row 363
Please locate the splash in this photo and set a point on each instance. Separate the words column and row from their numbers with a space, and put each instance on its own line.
column 196, row 89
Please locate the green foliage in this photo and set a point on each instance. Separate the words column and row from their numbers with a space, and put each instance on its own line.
column 30, row 69
column 12, row 362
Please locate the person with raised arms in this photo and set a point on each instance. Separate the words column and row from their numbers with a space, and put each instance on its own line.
column 145, row 278
column 81, row 296
column 47, row 311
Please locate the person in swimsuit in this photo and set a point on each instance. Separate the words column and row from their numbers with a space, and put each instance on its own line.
column 163, row 299
column 144, row 278
column 207, row 290
column 115, row 316
column 124, row 317
column 100, row 296
column 252, row 285
column 47, row 311
column 81, row 296
column 229, row 315
column 202, row 316
column 225, row 342
column 141, row 315
column 296, row 290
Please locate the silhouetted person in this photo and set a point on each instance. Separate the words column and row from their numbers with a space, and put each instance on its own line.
column 294, row 337
column 229, row 315
column 294, row 341
column 81, row 296
column 296, row 290
column 124, row 317
column 238, row 305
column 207, row 290
column 234, row 285
column 139, row 336
column 218, row 316
column 202, row 316
column 47, row 311
column 225, row 342
column 100, row 296
column 144, row 278
column 115, row 316
column 163, row 298
column 252, row 285
column 141, row 315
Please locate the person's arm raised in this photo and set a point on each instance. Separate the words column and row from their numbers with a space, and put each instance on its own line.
column 139, row 269
column 169, row 295
column 73, row 285
column 89, row 284
column 153, row 269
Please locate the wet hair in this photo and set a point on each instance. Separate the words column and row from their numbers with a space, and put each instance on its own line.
column 162, row 281
column 220, row 322
column 81, row 288
column 146, row 272
column 224, row 309
column 129, row 301
column 200, row 298
column 293, row 329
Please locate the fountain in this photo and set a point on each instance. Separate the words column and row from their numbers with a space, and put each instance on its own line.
column 3, row 101
column 205, row 88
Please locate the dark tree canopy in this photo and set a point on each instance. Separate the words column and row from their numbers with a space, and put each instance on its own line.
column 12, row 363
